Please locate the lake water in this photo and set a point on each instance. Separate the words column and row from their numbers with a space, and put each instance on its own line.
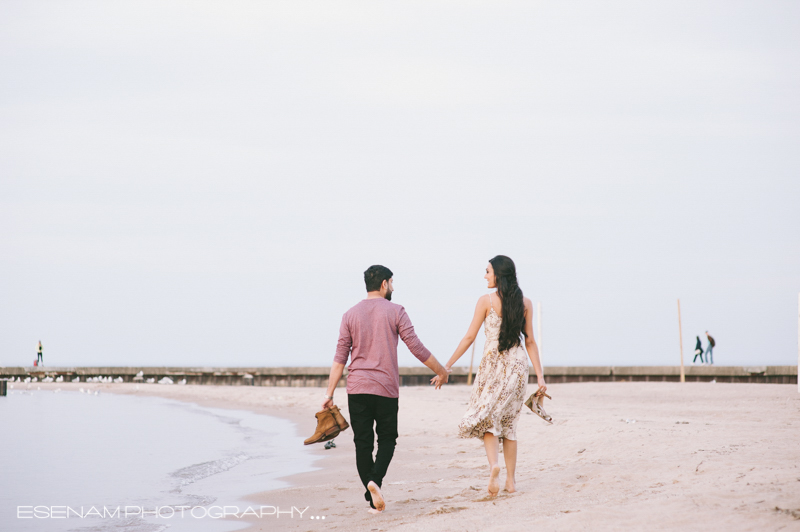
column 109, row 451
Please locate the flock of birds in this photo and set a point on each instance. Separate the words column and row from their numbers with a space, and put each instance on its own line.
column 29, row 380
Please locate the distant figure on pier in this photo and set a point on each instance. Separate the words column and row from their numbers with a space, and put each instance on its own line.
column 711, row 344
column 698, row 351
column 39, row 356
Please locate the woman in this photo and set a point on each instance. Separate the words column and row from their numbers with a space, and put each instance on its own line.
column 502, row 378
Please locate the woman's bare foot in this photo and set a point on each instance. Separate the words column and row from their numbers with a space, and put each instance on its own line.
column 377, row 496
column 374, row 511
column 494, row 481
column 511, row 486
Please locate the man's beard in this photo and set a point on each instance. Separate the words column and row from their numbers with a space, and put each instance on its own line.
column 388, row 295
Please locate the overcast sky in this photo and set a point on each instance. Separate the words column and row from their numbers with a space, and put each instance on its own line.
column 204, row 183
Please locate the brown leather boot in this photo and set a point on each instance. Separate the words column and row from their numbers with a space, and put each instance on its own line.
column 327, row 428
column 340, row 420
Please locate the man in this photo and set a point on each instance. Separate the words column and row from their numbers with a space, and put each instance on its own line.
column 368, row 334
column 711, row 344
column 39, row 357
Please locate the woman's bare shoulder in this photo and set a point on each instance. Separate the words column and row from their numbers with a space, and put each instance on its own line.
column 527, row 302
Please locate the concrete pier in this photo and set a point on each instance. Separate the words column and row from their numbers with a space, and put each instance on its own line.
column 409, row 376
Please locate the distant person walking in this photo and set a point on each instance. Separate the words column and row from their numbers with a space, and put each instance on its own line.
column 709, row 354
column 39, row 356
column 698, row 351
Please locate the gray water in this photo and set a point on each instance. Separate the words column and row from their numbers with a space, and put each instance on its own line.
column 69, row 449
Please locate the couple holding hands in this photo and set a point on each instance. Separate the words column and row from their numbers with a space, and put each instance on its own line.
column 369, row 335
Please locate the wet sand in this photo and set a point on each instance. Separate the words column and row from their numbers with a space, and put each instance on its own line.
column 619, row 456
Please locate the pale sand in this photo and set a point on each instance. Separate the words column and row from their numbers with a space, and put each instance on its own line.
column 700, row 456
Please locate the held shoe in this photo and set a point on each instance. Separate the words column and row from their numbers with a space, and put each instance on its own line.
column 535, row 401
column 340, row 420
column 326, row 428
column 327, row 425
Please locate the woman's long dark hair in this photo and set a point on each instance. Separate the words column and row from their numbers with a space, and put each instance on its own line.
column 513, row 324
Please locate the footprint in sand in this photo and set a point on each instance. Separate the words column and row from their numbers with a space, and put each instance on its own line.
column 447, row 510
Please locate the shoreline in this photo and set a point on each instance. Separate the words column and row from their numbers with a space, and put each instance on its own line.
column 627, row 455
column 291, row 404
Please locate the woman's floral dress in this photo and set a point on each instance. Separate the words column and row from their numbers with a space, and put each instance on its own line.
column 499, row 388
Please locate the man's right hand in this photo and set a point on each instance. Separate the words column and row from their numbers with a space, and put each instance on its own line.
column 327, row 404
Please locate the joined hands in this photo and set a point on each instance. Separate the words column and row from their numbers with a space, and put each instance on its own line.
column 441, row 378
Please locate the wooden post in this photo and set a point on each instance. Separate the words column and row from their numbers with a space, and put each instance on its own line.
column 471, row 359
column 680, row 337
column 539, row 328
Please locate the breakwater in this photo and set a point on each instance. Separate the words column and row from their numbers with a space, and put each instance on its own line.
column 409, row 376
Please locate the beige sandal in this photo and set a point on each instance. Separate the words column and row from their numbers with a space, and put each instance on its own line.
column 536, row 405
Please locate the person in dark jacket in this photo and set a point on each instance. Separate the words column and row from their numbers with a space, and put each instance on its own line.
column 711, row 344
column 698, row 351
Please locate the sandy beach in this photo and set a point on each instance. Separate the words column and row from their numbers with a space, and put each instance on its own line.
column 619, row 456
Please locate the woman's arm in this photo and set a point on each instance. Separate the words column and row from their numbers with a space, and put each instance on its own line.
column 472, row 332
column 530, row 343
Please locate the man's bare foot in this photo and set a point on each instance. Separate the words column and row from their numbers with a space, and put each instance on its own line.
column 494, row 481
column 511, row 486
column 377, row 496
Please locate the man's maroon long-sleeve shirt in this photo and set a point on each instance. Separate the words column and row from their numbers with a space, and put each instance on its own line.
column 369, row 333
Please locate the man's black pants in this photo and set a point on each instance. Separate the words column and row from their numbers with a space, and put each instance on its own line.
column 367, row 410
